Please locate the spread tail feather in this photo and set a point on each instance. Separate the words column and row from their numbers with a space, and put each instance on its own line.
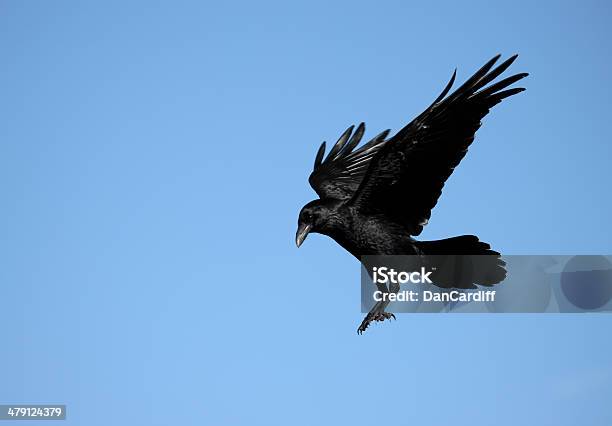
column 462, row 262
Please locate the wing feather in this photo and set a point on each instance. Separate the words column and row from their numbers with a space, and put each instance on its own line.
column 319, row 157
column 338, row 146
column 404, row 179
column 339, row 175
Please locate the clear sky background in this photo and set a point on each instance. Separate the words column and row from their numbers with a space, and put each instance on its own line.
column 154, row 157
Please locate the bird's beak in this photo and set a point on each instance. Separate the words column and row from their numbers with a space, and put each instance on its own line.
column 302, row 233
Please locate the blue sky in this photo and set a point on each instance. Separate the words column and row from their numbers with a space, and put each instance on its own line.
column 153, row 160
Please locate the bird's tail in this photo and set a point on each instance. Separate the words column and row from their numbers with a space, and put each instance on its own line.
column 462, row 262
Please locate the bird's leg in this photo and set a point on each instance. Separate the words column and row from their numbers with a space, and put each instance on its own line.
column 377, row 313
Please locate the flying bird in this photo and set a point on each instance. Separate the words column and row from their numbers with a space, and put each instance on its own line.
column 375, row 199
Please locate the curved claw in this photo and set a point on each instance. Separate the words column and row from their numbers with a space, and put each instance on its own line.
column 370, row 317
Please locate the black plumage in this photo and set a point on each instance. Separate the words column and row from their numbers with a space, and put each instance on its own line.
column 374, row 199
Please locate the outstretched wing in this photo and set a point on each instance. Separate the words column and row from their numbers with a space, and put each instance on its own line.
column 339, row 175
column 405, row 178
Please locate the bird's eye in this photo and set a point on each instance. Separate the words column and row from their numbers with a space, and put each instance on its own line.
column 307, row 217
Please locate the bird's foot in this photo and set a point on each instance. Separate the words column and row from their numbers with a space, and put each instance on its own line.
column 371, row 317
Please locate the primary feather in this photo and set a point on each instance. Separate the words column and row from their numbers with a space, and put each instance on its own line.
column 339, row 175
column 405, row 178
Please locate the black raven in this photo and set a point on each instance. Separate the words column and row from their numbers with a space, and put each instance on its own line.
column 374, row 199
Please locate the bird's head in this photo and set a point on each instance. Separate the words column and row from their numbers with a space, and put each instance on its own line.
column 314, row 217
